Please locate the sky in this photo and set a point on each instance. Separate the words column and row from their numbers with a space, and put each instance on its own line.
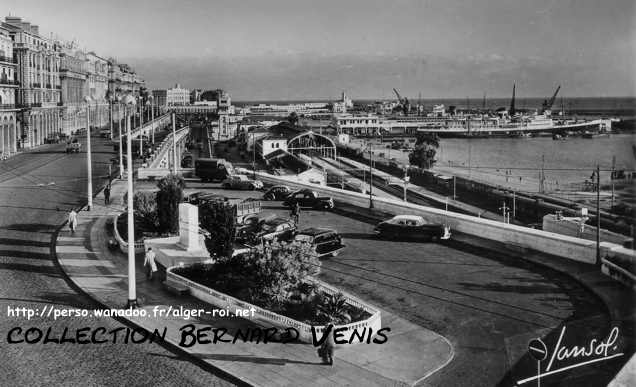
column 286, row 49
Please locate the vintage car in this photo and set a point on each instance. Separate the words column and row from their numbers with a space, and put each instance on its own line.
column 325, row 242
column 411, row 227
column 241, row 182
column 308, row 198
column 73, row 146
column 277, row 192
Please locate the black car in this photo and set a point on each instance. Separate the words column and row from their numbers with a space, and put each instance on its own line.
column 277, row 192
column 326, row 242
column 411, row 227
column 308, row 198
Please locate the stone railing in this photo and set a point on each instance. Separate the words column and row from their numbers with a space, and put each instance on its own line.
column 546, row 242
column 267, row 318
column 123, row 245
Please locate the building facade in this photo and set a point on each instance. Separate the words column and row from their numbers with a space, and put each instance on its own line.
column 73, row 77
column 44, row 82
column 8, row 86
column 39, row 91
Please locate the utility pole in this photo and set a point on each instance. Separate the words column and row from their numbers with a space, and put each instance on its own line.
column 542, row 175
column 253, row 156
column 88, row 153
column 504, row 209
column 514, row 205
column 174, row 140
column 406, row 180
column 370, row 176
column 454, row 187
column 129, row 102
column 598, row 214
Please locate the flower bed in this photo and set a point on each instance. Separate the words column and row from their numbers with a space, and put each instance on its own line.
column 268, row 318
column 308, row 304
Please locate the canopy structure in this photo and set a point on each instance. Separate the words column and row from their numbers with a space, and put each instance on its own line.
column 312, row 144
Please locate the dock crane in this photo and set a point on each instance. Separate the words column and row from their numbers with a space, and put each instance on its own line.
column 547, row 104
column 404, row 102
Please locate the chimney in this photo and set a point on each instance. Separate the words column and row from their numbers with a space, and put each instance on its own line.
column 35, row 29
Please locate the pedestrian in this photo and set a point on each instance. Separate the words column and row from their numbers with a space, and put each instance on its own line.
column 107, row 195
column 328, row 347
column 72, row 220
column 149, row 261
column 296, row 212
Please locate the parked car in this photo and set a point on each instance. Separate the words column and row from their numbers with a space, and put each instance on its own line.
column 73, row 146
column 277, row 192
column 412, row 227
column 105, row 133
column 309, row 198
column 241, row 182
column 52, row 139
column 325, row 242
column 264, row 230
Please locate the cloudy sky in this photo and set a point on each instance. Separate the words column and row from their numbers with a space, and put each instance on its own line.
column 292, row 49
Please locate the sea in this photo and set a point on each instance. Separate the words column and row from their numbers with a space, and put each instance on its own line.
column 565, row 164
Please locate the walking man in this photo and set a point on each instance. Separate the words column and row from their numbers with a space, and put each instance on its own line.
column 328, row 347
column 72, row 220
column 107, row 195
column 149, row 261
column 295, row 212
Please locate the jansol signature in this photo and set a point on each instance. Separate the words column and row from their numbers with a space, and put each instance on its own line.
column 595, row 351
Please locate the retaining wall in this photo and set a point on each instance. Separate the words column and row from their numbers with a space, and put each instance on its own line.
column 522, row 237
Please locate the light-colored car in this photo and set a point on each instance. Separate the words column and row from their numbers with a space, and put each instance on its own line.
column 73, row 146
column 241, row 182
column 412, row 227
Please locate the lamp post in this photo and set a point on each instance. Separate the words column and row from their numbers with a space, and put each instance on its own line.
column 152, row 117
column 253, row 156
column 174, row 140
column 129, row 103
column 89, row 164
column 370, row 177
column 121, row 150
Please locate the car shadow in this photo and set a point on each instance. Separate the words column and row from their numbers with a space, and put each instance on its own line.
column 252, row 359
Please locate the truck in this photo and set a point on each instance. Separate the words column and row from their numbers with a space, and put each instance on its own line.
column 309, row 198
column 212, row 169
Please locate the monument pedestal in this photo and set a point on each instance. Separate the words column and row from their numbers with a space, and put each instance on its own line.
column 188, row 247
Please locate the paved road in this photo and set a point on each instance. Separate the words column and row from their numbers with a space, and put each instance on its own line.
column 488, row 305
column 36, row 191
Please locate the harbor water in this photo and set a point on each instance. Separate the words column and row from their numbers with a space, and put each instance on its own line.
column 518, row 162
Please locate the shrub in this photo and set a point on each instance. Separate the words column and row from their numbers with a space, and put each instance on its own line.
column 145, row 210
column 218, row 220
column 168, row 198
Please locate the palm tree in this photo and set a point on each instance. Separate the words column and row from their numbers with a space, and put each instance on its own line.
column 334, row 308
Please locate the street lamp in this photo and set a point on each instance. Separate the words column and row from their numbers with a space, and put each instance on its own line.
column 152, row 117
column 121, row 150
column 89, row 166
column 129, row 103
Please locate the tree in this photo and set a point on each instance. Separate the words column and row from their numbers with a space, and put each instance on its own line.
column 218, row 220
column 423, row 155
column 292, row 118
column 333, row 307
column 145, row 210
column 168, row 198
column 272, row 273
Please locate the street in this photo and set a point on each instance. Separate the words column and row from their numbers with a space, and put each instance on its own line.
column 37, row 189
column 489, row 305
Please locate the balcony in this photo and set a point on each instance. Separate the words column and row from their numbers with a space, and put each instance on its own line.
column 6, row 106
column 58, row 86
column 8, row 82
column 29, row 105
column 6, row 59
column 49, row 86
column 37, row 85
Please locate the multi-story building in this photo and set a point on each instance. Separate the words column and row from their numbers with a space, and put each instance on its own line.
column 97, row 88
column 358, row 124
column 177, row 96
column 8, row 86
column 73, row 76
column 195, row 96
column 39, row 91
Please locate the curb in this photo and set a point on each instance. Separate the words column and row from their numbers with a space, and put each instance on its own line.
column 165, row 344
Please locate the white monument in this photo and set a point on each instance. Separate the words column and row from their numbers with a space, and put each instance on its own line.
column 189, row 238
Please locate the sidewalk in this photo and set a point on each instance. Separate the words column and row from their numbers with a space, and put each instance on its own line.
column 411, row 354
